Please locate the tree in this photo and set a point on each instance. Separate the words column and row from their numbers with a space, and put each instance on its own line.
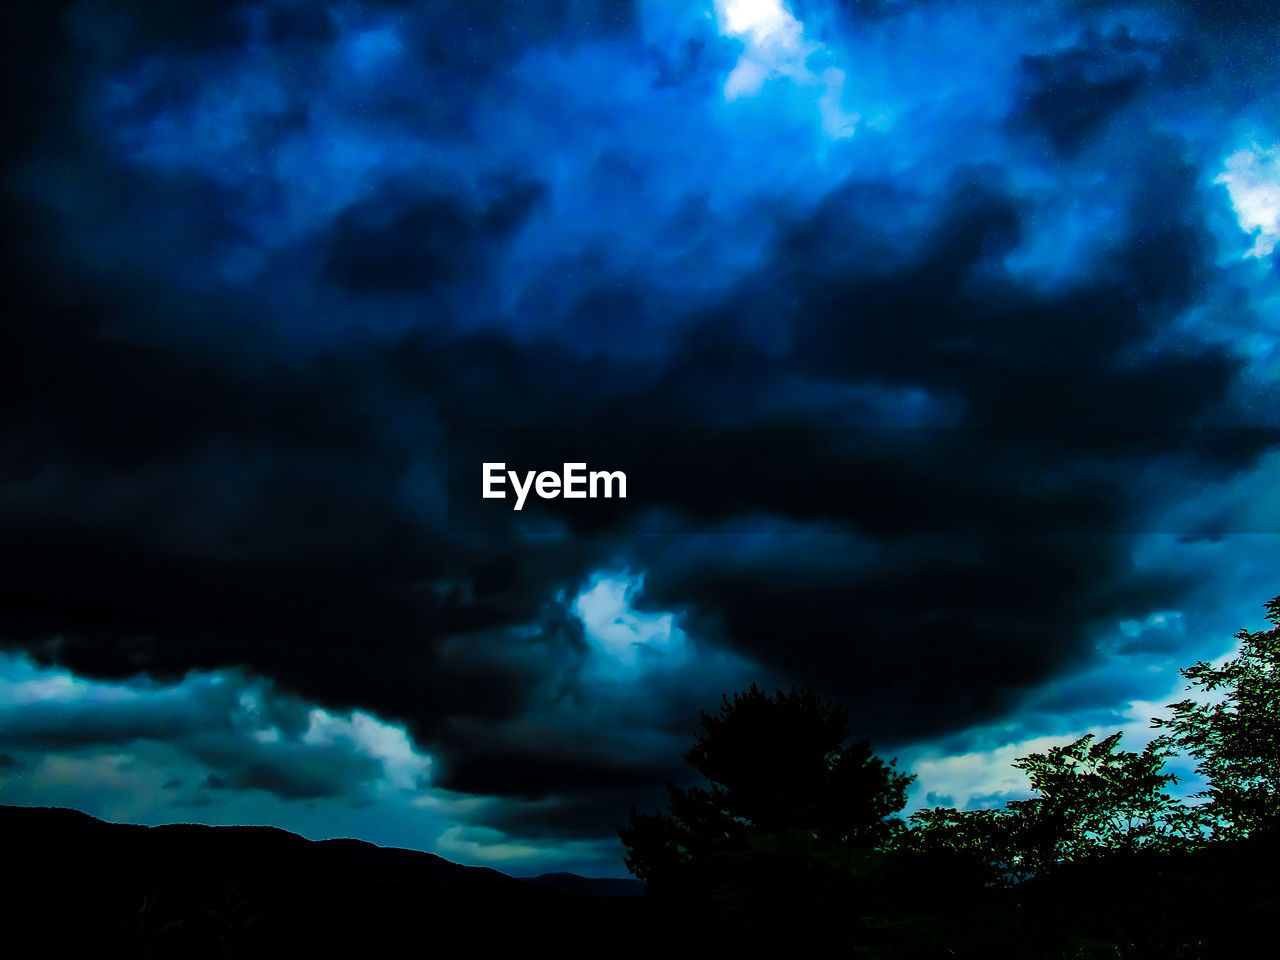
column 978, row 846
column 1236, row 739
column 784, row 783
column 1096, row 800
column 1092, row 800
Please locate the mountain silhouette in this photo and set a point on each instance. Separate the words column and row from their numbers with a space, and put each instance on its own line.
column 75, row 883
column 589, row 886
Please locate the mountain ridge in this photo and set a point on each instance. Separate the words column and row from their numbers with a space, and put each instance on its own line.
column 187, row 890
column 29, row 817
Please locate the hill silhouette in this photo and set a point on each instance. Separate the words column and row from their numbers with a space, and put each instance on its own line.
column 590, row 886
column 72, row 882
column 43, row 840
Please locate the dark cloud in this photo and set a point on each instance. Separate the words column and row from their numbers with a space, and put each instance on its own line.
column 55, row 724
column 292, row 771
column 582, row 815
column 244, row 335
column 393, row 244
column 534, row 768
column 320, row 550
column 1070, row 95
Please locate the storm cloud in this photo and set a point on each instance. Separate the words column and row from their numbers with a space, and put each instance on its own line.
column 273, row 264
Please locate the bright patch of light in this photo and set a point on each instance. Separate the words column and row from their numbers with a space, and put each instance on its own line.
column 620, row 635
column 1252, row 179
column 403, row 766
column 23, row 683
column 761, row 20
column 774, row 45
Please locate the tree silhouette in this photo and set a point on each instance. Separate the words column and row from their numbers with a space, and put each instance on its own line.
column 979, row 846
column 1095, row 800
column 1236, row 739
column 785, row 787
column 792, row 838
column 1092, row 800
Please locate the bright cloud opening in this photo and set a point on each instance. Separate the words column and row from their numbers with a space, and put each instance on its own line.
column 1252, row 179
column 620, row 635
column 763, row 21
column 404, row 768
column 775, row 46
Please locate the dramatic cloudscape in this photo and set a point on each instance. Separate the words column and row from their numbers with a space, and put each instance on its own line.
column 942, row 335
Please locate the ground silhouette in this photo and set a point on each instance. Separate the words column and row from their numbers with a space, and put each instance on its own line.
column 74, row 885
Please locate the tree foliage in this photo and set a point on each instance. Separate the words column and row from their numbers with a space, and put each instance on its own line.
column 1235, row 739
column 783, row 776
column 795, row 825
column 784, row 781
column 1094, row 799
column 1091, row 800
column 978, row 845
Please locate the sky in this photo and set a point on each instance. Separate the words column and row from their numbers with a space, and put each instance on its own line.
column 268, row 264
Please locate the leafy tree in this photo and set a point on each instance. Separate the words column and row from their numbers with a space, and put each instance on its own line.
column 1095, row 800
column 975, row 845
column 1236, row 739
column 1092, row 800
column 784, row 785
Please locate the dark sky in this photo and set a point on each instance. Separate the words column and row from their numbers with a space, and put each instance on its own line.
column 265, row 263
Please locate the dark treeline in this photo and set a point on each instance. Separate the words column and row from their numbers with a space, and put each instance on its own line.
column 796, row 834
